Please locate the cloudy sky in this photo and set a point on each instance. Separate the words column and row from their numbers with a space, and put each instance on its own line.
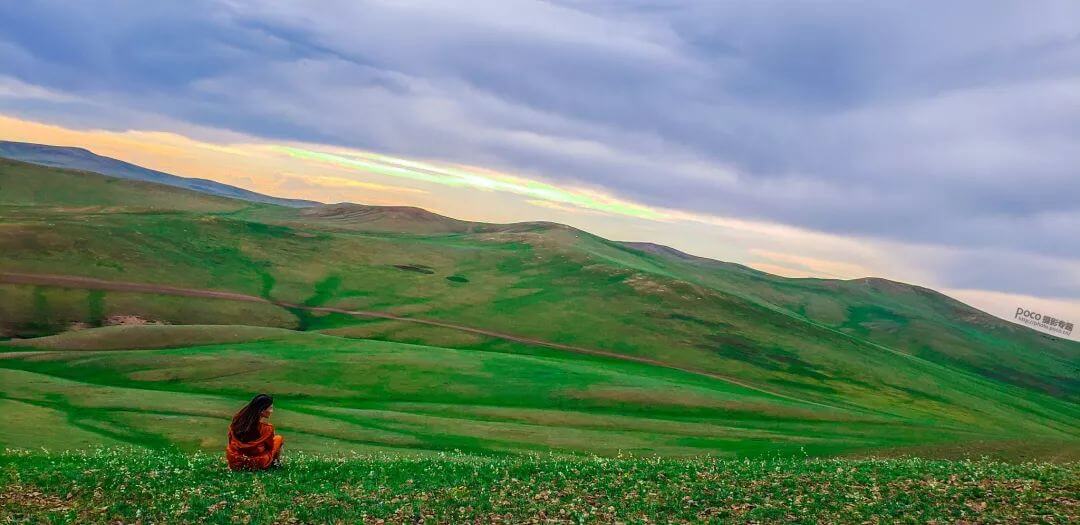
column 930, row 142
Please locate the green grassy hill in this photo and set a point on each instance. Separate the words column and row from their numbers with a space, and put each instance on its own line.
column 581, row 344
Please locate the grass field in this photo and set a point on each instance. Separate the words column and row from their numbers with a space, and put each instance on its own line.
column 130, row 486
column 336, row 393
column 339, row 393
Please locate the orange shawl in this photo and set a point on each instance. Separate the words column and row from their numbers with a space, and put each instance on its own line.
column 259, row 454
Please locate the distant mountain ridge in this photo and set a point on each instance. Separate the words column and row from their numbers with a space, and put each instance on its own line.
column 86, row 160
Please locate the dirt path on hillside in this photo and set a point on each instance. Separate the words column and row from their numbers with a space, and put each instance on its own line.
column 89, row 283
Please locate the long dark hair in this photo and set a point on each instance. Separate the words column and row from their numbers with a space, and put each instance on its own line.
column 245, row 424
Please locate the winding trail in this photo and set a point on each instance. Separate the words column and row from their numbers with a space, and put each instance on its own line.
column 89, row 283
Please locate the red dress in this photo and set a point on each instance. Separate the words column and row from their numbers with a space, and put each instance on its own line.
column 260, row 454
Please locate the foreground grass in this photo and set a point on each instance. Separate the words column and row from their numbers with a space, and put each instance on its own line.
column 125, row 485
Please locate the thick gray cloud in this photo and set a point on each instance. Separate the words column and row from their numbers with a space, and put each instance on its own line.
column 951, row 123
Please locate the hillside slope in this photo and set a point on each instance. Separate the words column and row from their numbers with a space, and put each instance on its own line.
column 865, row 348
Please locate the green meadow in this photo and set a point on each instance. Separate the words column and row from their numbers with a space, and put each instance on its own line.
column 342, row 394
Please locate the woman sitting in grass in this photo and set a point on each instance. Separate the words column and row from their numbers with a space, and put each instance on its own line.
column 252, row 442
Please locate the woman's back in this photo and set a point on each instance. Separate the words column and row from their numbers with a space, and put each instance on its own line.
column 253, row 444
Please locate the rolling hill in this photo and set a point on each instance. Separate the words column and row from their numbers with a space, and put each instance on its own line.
column 85, row 160
column 398, row 329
